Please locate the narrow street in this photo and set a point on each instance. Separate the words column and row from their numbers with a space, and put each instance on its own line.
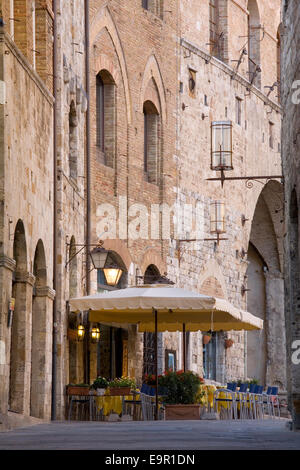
column 164, row 435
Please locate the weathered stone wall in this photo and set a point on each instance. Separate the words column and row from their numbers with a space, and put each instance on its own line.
column 214, row 99
column 26, row 223
column 71, row 120
column 290, row 156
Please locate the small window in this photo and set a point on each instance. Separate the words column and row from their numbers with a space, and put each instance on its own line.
column 205, row 100
column 73, row 145
column 155, row 6
column 192, row 83
column 170, row 360
column 271, row 135
column 238, row 111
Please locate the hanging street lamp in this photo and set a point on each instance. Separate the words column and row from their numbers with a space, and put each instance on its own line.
column 95, row 334
column 99, row 257
column 112, row 273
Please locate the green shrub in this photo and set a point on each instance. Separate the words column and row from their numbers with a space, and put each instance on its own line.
column 182, row 387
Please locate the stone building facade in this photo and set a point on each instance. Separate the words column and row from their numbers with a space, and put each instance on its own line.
column 26, row 210
column 230, row 75
column 137, row 87
column 290, row 158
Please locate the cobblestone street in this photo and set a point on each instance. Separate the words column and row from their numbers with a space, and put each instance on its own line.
column 179, row 435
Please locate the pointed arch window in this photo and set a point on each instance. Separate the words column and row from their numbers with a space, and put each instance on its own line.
column 151, row 142
column 105, row 118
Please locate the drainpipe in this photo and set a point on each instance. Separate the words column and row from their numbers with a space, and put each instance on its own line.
column 54, row 339
column 88, row 146
column 88, row 174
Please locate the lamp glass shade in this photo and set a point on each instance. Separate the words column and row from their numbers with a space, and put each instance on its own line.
column 80, row 332
column 221, row 146
column 99, row 257
column 112, row 275
column 95, row 335
column 217, row 217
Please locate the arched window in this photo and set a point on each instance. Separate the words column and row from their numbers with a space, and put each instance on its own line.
column 106, row 118
column 151, row 141
column 73, row 146
column 254, row 43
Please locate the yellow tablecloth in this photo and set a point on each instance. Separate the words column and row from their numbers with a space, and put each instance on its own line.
column 206, row 395
column 111, row 404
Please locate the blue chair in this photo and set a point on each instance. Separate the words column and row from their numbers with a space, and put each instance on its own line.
column 256, row 399
column 267, row 400
column 229, row 399
column 232, row 386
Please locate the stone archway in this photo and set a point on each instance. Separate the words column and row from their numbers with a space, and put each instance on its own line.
column 266, row 356
column 20, row 347
column 40, row 379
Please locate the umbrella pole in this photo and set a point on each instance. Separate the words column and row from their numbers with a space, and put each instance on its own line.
column 184, row 346
column 156, row 367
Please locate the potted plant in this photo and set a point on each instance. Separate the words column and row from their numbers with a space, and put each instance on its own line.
column 182, row 393
column 100, row 384
column 78, row 389
column 228, row 343
column 150, row 379
column 206, row 338
column 121, row 386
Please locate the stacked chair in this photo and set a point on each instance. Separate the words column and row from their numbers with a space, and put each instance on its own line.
column 247, row 404
column 147, row 402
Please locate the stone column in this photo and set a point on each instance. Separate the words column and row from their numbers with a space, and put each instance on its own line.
column 7, row 266
column 275, row 330
column 135, row 353
column 41, row 358
column 20, row 363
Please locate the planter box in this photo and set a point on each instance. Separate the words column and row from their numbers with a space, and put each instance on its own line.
column 181, row 412
column 73, row 390
column 117, row 391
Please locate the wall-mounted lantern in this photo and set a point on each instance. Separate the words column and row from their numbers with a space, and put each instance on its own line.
column 217, row 218
column 112, row 273
column 221, row 155
column 221, row 146
column 80, row 332
column 95, row 334
column 99, row 257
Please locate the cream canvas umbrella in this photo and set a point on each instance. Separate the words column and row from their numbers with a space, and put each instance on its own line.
column 160, row 307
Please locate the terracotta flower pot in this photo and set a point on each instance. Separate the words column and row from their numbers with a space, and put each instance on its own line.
column 206, row 339
column 182, row 412
column 228, row 343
